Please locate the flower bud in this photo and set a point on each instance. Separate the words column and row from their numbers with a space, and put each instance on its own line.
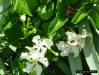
column 23, row 18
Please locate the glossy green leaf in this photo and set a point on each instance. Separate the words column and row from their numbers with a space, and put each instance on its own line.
column 2, row 68
column 81, row 14
column 56, row 23
column 75, row 64
column 61, row 6
column 89, row 49
column 46, row 11
column 63, row 67
column 94, row 18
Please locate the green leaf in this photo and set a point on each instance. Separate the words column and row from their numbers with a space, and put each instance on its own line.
column 75, row 64
column 14, row 33
column 89, row 49
column 7, row 22
column 59, row 34
column 45, row 1
column 30, row 6
column 96, row 42
column 73, row 1
column 15, row 67
column 81, row 14
column 1, row 15
column 2, row 68
column 63, row 67
column 46, row 11
column 88, row 1
column 61, row 6
column 94, row 18
column 56, row 23
column 12, row 47
column 4, row 5
column 44, row 27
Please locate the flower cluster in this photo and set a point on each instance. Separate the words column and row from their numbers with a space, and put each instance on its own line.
column 74, row 44
column 37, row 54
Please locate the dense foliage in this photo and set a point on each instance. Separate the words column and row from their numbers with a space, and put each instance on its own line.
column 49, row 37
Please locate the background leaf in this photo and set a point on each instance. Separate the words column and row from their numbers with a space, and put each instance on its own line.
column 56, row 23
column 75, row 64
column 81, row 14
column 94, row 18
column 89, row 49
column 30, row 6
column 2, row 68
column 61, row 7
column 4, row 5
column 46, row 11
column 63, row 67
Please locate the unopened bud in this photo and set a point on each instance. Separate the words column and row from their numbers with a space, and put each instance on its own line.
column 23, row 18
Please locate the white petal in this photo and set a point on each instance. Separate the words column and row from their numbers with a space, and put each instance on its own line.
column 81, row 43
column 72, row 38
column 65, row 52
column 43, row 50
column 24, row 55
column 28, row 67
column 61, row 45
column 44, row 61
column 47, row 42
column 36, row 39
column 35, row 55
column 29, row 48
column 75, row 50
column 38, row 69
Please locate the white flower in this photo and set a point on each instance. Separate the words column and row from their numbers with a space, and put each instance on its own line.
column 36, row 39
column 38, row 69
column 72, row 38
column 37, row 52
column 44, row 61
column 29, row 67
column 33, row 66
column 35, row 55
column 64, row 47
column 61, row 45
column 75, row 50
column 65, row 52
column 24, row 55
column 47, row 42
column 23, row 18
column 81, row 43
column 38, row 46
column 74, row 44
column 94, row 5
column 29, row 48
column 84, row 33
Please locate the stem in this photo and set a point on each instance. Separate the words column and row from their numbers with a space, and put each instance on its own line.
column 55, row 53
